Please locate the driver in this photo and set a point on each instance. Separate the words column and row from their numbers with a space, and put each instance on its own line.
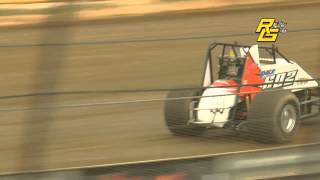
column 233, row 69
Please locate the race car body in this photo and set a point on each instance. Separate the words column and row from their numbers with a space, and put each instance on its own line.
column 241, row 78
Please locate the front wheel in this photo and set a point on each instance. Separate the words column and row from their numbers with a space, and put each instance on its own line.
column 177, row 112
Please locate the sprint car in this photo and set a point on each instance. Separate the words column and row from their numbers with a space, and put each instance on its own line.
column 251, row 89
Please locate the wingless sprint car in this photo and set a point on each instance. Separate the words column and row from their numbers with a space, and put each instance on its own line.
column 250, row 89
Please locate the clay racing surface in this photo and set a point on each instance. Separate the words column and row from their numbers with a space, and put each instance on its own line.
column 104, row 55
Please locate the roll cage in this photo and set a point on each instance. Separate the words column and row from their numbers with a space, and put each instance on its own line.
column 207, row 78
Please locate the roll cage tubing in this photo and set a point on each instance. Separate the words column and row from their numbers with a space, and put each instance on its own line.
column 271, row 50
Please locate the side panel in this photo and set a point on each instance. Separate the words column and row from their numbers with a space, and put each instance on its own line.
column 282, row 75
column 215, row 110
column 207, row 76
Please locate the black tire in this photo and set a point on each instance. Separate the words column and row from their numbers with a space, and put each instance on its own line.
column 316, row 92
column 177, row 113
column 269, row 114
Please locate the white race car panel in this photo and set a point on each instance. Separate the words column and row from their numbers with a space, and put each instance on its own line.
column 207, row 76
column 215, row 110
column 254, row 52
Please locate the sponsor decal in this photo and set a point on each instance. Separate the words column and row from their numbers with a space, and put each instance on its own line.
column 267, row 73
column 269, row 29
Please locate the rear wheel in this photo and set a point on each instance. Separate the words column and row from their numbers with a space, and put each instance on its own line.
column 177, row 113
column 316, row 92
column 276, row 118
column 288, row 118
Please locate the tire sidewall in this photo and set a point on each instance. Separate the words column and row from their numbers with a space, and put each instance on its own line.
column 177, row 113
column 278, row 132
column 265, row 115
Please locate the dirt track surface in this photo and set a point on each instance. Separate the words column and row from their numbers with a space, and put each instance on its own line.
column 61, row 138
